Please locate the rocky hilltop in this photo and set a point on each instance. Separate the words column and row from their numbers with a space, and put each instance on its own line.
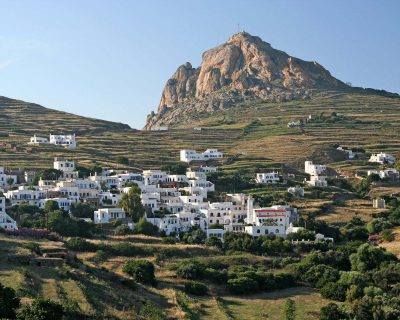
column 243, row 68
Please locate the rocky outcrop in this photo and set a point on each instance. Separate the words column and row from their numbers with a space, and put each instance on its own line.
column 245, row 67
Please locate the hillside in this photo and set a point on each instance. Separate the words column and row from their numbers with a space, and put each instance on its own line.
column 251, row 134
column 30, row 118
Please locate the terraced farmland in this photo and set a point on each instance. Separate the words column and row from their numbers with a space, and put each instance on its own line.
column 251, row 134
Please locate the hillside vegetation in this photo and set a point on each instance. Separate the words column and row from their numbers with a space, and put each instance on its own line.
column 250, row 134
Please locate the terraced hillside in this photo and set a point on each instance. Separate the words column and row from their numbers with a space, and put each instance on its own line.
column 251, row 134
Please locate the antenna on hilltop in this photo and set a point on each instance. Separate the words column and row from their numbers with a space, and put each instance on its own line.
column 238, row 27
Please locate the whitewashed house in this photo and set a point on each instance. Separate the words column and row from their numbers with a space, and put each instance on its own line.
column 382, row 158
column 106, row 215
column 6, row 222
column 217, row 233
column 67, row 167
column 212, row 154
column 188, row 155
column 267, row 178
column 317, row 179
column 35, row 140
column 314, row 169
column 6, row 178
column 388, row 173
column 109, row 198
column 168, row 223
column 271, row 220
column 28, row 195
column 67, row 141
column 154, row 176
column 63, row 203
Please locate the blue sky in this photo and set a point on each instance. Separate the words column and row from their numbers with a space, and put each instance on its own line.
column 110, row 59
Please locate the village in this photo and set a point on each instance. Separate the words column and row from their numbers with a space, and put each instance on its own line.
column 174, row 203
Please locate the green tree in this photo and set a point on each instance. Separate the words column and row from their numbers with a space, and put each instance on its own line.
column 132, row 204
column 302, row 234
column 48, row 174
column 289, row 309
column 334, row 290
column 368, row 257
column 214, row 242
column 9, row 303
column 141, row 271
column 41, row 309
column 82, row 210
column 332, row 312
column 145, row 227
column 51, row 205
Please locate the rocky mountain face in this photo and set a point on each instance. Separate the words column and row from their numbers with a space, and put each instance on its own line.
column 243, row 68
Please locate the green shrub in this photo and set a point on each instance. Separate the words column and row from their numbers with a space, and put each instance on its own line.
column 334, row 291
column 122, row 230
column 196, row 288
column 41, row 309
column 216, row 276
column 80, row 244
column 242, row 285
column 332, row 312
column 9, row 303
column 33, row 247
column 190, row 271
column 141, row 271
column 145, row 227
column 149, row 311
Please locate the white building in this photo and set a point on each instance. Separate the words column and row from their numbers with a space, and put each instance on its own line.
column 67, row 167
column 389, row 173
column 314, row 169
column 267, row 178
column 271, row 220
column 63, row 203
column 382, row 158
column 35, row 140
column 188, row 156
column 6, row 178
column 67, row 141
column 25, row 195
column 106, row 215
column 6, row 222
column 317, row 179
column 218, row 233
column 154, row 176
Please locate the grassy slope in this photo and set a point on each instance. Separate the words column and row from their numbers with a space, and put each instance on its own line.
column 94, row 293
column 269, row 142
